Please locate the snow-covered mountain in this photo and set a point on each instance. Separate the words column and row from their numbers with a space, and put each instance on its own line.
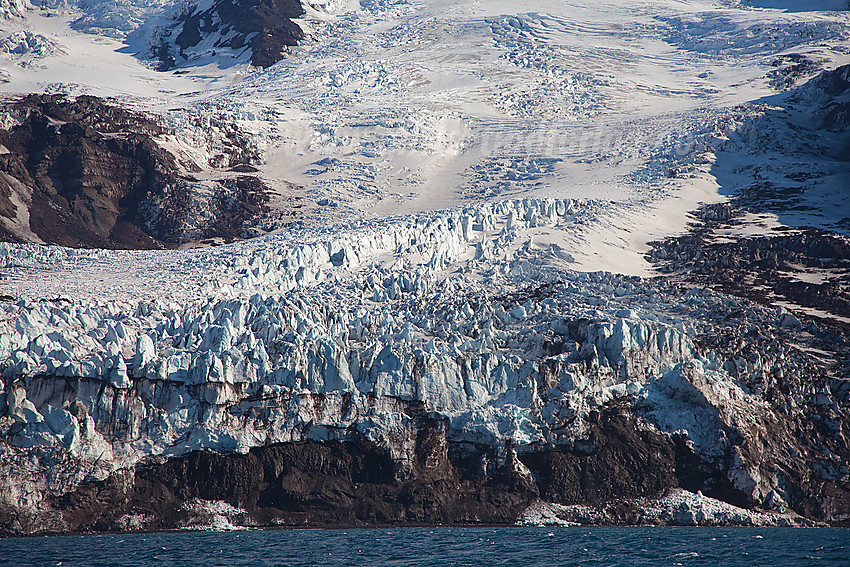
column 258, row 29
column 544, row 264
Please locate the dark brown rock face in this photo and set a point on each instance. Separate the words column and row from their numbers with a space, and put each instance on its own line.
column 358, row 483
column 617, row 461
column 91, row 174
column 303, row 484
column 265, row 26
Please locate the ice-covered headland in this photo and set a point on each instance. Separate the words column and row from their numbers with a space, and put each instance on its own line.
column 549, row 264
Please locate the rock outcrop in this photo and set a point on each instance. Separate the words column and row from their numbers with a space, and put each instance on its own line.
column 673, row 507
column 806, row 267
column 87, row 173
column 262, row 29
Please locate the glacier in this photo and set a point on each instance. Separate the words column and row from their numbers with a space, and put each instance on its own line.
column 340, row 336
column 536, row 264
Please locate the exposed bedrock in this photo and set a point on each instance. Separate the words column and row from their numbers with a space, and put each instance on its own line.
column 805, row 267
column 356, row 482
column 265, row 27
column 781, row 238
column 86, row 173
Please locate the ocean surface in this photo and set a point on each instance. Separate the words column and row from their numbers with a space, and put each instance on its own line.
column 718, row 547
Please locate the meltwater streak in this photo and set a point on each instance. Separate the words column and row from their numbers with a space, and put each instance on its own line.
column 777, row 547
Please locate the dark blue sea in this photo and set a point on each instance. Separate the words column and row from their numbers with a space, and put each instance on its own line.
column 717, row 547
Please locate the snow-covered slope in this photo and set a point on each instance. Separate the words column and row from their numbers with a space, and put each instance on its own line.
column 455, row 277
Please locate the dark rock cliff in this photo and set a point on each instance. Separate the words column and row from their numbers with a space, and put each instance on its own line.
column 356, row 482
column 91, row 174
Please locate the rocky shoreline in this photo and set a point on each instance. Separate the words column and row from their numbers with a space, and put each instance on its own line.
column 356, row 484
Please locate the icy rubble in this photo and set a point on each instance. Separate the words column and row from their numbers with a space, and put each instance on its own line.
column 564, row 91
column 36, row 343
column 675, row 508
column 341, row 333
column 14, row 8
column 117, row 18
column 425, row 243
column 214, row 515
column 25, row 43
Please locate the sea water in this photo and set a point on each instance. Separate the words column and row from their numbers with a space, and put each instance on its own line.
column 717, row 547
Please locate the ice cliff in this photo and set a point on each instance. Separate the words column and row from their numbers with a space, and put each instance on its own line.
column 352, row 334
